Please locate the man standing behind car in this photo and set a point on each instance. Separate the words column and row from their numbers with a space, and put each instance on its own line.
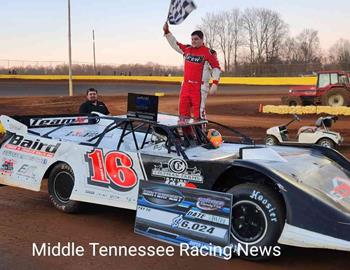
column 92, row 104
column 200, row 65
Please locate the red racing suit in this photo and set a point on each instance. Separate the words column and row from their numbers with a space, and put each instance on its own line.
column 201, row 64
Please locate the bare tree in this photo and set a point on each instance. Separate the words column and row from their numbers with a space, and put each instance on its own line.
column 308, row 46
column 209, row 28
column 224, row 31
column 266, row 31
column 229, row 32
column 289, row 52
column 237, row 32
column 339, row 53
column 277, row 31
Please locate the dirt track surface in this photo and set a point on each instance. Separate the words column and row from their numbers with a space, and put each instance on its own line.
column 27, row 217
column 60, row 88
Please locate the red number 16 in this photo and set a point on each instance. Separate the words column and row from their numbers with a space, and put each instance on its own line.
column 115, row 169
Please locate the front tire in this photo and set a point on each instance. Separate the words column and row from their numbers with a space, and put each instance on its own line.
column 60, row 186
column 291, row 101
column 258, row 218
column 271, row 140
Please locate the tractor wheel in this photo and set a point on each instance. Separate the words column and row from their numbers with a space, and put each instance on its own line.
column 336, row 97
column 291, row 101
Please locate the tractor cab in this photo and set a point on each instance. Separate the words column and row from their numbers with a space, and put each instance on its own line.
column 331, row 78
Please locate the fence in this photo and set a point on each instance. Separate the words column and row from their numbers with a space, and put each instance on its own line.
column 24, row 67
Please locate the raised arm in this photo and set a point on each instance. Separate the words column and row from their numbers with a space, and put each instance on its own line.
column 177, row 46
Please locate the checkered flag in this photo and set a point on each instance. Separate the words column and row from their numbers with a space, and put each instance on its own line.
column 179, row 10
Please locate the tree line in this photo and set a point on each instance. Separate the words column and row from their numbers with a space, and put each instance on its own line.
column 260, row 39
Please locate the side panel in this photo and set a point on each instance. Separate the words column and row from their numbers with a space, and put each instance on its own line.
column 24, row 160
column 107, row 177
column 306, row 208
column 181, row 172
column 314, row 137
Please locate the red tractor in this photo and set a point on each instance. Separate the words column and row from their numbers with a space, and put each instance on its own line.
column 332, row 89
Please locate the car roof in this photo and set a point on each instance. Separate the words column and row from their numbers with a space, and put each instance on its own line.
column 170, row 120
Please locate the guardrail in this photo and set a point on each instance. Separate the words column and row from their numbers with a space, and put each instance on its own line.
column 305, row 110
column 164, row 79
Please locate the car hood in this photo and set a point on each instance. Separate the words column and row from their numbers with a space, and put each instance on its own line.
column 308, row 167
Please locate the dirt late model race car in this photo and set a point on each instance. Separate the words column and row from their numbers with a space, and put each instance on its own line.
column 296, row 196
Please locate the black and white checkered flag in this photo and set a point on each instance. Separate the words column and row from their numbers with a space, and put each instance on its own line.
column 179, row 10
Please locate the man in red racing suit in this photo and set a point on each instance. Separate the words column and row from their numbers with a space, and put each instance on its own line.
column 201, row 64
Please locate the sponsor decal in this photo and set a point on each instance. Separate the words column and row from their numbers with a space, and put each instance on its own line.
column 209, row 204
column 26, row 171
column 21, row 156
column 194, row 58
column 341, row 189
column 83, row 133
column 176, row 172
column 162, row 196
column 258, row 196
column 115, row 170
column 7, row 166
column 46, row 122
column 37, row 147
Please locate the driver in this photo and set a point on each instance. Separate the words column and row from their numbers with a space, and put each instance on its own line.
column 200, row 65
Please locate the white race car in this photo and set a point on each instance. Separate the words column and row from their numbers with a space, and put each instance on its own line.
column 290, row 195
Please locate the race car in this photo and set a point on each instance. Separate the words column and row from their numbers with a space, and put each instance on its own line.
column 296, row 196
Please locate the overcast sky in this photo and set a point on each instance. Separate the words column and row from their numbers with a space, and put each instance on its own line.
column 130, row 31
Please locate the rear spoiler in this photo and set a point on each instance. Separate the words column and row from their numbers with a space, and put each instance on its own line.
column 40, row 121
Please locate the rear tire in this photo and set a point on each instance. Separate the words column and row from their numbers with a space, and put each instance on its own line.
column 60, row 186
column 336, row 97
column 271, row 140
column 325, row 142
column 258, row 218
column 292, row 101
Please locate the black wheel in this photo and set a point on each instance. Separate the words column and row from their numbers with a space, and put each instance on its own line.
column 336, row 97
column 291, row 101
column 258, row 218
column 325, row 142
column 61, row 183
column 271, row 140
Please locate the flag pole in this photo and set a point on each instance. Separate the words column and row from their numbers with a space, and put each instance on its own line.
column 167, row 16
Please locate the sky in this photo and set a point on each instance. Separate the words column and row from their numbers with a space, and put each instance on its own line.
column 130, row 31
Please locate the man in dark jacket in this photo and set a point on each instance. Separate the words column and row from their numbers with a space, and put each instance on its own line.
column 92, row 104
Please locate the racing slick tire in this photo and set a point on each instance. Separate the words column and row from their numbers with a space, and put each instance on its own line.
column 271, row 140
column 326, row 142
column 258, row 218
column 336, row 97
column 60, row 186
column 291, row 101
